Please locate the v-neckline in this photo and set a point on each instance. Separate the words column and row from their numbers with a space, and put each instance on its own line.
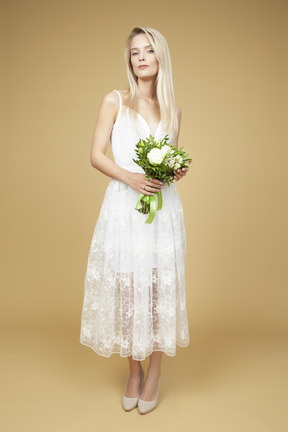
column 145, row 121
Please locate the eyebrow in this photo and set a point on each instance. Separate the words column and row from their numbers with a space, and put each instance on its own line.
column 144, row 47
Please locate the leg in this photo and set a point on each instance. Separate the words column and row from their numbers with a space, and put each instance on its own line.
column 126, row 289
column 153, row 373
column 134, row 380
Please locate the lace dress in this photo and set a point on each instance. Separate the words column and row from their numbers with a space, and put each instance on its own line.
column 134, row 299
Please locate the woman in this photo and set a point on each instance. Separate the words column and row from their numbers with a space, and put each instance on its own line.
column 134, row 301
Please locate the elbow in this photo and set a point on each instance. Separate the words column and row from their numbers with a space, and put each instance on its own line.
column 95, row 159
column 93, row 162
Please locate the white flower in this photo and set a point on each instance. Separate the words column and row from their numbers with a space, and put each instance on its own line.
column 165, row 149
column 155, row 156
column 176, row 166
column 170, row 162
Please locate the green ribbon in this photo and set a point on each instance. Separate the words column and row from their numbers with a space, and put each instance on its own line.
column 160, row 200
column 151, row 204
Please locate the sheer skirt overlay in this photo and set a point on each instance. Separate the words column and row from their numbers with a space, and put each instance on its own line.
column 134, row 300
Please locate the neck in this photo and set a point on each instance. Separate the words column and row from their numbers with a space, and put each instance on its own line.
column 147, row 89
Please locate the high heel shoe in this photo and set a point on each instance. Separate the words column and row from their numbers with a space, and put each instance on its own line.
column 129, row 403
column 146, row 406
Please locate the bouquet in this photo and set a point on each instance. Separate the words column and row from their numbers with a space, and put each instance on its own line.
column 159, row 160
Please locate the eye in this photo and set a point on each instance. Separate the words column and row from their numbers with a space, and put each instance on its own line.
column 150, row 50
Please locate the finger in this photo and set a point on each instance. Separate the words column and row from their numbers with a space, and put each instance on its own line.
column 146, row 192
column 153, row 188
column 182, row 172
column 178, row 174
column 154, row 181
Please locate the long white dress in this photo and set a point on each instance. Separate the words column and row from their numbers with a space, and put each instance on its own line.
column 134, row 299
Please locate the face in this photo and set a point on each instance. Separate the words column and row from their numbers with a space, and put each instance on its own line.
column 142, row 53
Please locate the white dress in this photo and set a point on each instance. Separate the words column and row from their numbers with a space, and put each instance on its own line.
column 134, row 299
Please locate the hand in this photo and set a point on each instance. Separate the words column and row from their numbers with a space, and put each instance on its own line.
column 180, row 173
column 139, row 181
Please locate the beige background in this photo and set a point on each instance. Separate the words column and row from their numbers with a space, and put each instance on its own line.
column 229, row 61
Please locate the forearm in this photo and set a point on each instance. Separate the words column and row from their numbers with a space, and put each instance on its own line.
column 105, row 165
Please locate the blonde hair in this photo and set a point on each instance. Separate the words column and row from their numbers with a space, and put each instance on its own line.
column 164, row 81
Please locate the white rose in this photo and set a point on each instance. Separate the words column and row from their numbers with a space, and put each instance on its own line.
column 165, row 149
column 155, row 156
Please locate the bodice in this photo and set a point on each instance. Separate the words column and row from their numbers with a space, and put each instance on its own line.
column 126, row 134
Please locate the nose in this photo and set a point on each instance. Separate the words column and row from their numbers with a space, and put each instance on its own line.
column 141, row 57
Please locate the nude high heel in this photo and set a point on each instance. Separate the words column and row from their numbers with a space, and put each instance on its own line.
column 146, row 406
column 129, row 403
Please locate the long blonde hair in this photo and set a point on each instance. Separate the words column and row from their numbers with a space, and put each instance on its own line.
column 164, row 81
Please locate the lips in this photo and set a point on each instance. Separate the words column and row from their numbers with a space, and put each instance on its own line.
column 142, row 66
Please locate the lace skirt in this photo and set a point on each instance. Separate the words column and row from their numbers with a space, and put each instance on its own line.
column 134, row 298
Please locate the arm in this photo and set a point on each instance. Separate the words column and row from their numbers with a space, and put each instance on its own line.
column 104, row 123
column 178, row 174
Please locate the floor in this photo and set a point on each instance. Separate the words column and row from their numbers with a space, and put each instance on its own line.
column 220, row 382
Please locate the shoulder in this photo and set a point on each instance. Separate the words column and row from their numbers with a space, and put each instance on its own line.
column 110, row 104
column 111, row 99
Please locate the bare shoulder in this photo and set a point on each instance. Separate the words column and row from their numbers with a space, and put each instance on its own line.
column 110, row 103
column 111, row 99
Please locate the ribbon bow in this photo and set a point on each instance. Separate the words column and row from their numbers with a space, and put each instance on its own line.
column 148, row 204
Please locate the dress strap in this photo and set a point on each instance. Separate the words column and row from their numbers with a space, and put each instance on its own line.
column 119, row 97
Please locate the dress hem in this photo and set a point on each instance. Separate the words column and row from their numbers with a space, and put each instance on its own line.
column 128, row 355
